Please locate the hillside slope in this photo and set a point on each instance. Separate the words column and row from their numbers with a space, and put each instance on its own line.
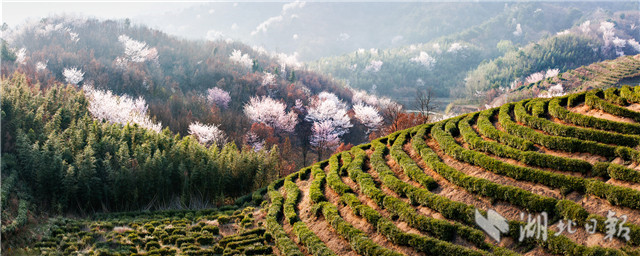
column 416, row 192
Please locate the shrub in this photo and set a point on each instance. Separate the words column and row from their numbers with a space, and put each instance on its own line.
column 205, row 240
column 214, row 230
column 151, row 245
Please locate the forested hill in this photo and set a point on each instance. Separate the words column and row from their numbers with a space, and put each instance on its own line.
column 168, row 72
column 219, row 91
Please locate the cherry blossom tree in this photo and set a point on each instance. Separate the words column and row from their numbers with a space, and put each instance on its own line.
column 207, row 134
column 104, row 105
column 374, row 66
column 360, row 96
column 136, row 51
column 553, row 91
column 242, row 59
column 272, row 113
column 608, row 31
column 219, row 97
column 633, row 43
column 268, row 79
column 585, row 27
column 535, row 77
column 552, row 72
column 324, row 137
column 21, row 56
column 73, row 75
column 252, row 139
column 424, row 59
column 368, row 116
column 41, row 66
column 518, row 31
column 327, row 107
column 455, row 47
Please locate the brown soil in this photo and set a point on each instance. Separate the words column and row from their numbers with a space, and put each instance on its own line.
column 362, row 224
column 288, row 228
column 634, row 107
column 228, row 229
column 588, row 111
column 482, row 173
column 453, row 192
column 319, row 226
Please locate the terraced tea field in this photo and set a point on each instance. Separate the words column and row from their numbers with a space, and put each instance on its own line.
column 416, row 191
column 571, row 161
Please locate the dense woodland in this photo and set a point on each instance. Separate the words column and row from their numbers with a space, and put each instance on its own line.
column 56, row 156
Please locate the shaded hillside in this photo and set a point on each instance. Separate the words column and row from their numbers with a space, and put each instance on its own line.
column 416, row 192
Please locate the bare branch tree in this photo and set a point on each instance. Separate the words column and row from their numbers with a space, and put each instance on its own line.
column 424, row 103
column 391, row 113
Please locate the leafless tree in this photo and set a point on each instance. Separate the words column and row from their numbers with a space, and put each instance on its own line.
column 391, row 113
column 424, row 103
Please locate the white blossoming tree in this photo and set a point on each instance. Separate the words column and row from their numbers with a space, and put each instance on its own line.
column 73, row 75
column 242, row 59
column 327, row 107
column 535, row 77
column 219, row 97
column 374, row 66
column 104, row 105
column 424, row 59
column 136, row 51
column 268, row 79
column 272, row 113
column 252, row 139
column 324, row 137
column 368, row 116
column 207, row 134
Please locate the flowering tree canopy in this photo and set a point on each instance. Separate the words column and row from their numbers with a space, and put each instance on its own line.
column 41, row 66
column 268, row 79
column 136, row 51
column 455, row 47
column 219, row 97
column 360, row 96
column 538, row 76
column 104, row 105
column 73, row 75
column 327, row 107
column 242, row 59
column 324, row 136
column 424, row 59
column 271, row 112
column 374, row 66
column 554, row 91
column 368, row 116
column 207, row 134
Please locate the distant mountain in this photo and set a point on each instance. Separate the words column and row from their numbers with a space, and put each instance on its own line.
column 320, row 29
column 528, row 29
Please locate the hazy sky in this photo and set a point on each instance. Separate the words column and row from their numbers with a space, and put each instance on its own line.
column 16, row 12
